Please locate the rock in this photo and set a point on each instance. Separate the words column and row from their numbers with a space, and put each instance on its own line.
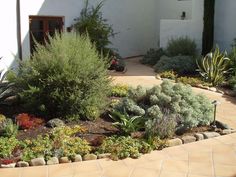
column 188, row 139
column 220, row 91
column 230, row 93
column 104, row 156
column 199, row 136
column 22, row 164
column 221, row 125
column 181, row 130
column 89, row 157
column 64, row 160
column 53, row 161
column 137, row 134
column 174, row 142
column 11, row 165
column 55, row 123
column 158, row 77
column 208, row 135
column 37, row 162
column 228, row 131
column 78, row 158
column 213, row 89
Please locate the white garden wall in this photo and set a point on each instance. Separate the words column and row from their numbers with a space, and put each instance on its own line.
column 171, row 28
column 225, row 23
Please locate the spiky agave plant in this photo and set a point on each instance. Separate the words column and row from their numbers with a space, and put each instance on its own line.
column 214, row 66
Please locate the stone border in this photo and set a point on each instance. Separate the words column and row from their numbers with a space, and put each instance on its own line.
column 198, row 137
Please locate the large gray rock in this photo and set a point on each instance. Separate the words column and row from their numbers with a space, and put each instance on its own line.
column 55, row 123
column 37, row 162
column 64, row 160
column 22, row 164
column 53, row 161
column 199, row 136
column 78, row 158
column 188, row 139
column 90, row 157
column 174, row 142
column 208, row 135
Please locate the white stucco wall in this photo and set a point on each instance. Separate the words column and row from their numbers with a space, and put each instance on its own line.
column 225, row 23
column 172, row 9
column 176, row 28
column 134, row 21
column 8, row 34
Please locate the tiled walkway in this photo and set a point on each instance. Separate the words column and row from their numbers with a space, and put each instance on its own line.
column 209, row 158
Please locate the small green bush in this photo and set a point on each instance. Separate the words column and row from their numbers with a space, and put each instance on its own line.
column 120, row 90
column 123, row 147
column 181, row 46
column 178, row 100
column 193, row 81
column 168, row 75
column 10, row 129
column 66, row 78
column 152, row 56
column 7, row 146
column 182, row 65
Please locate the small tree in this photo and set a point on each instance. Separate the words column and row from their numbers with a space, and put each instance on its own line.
column 91, row 22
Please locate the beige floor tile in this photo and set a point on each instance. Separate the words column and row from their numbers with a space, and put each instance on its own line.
column 227, row 158
column 175, row 166
column 177, row 153
column 89, row 174
column 86, row 166
column 155, row 165
column 41, row 171
column 199, row 176
column 117, row 171
column 157, row 155
column 141, row 172
column 103, row 163
column 223, row 148
column 225, row 170
column 61, row 170
column 135, row 162
column 15, row 172
column 201, row 168
column 200, row 157
column 172, row 174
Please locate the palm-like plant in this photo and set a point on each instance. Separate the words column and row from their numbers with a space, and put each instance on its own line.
column 126, row 123
column 214, row 66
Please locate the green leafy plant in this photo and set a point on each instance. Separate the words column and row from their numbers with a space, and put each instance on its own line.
column 181, row 65
column 168, row 75
column 10, row 129
column 152, row 56
column 126, row 123
column 91, row 22
column 66, row 78
column 193, row 81
column 7, row 146
column 181, row 46
column 214, row 66
column 120, row 90
column 122, row 147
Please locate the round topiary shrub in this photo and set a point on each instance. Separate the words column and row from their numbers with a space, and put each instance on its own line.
column 64, row 78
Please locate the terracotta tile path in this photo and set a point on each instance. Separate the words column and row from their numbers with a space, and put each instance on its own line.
column 209, row 158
